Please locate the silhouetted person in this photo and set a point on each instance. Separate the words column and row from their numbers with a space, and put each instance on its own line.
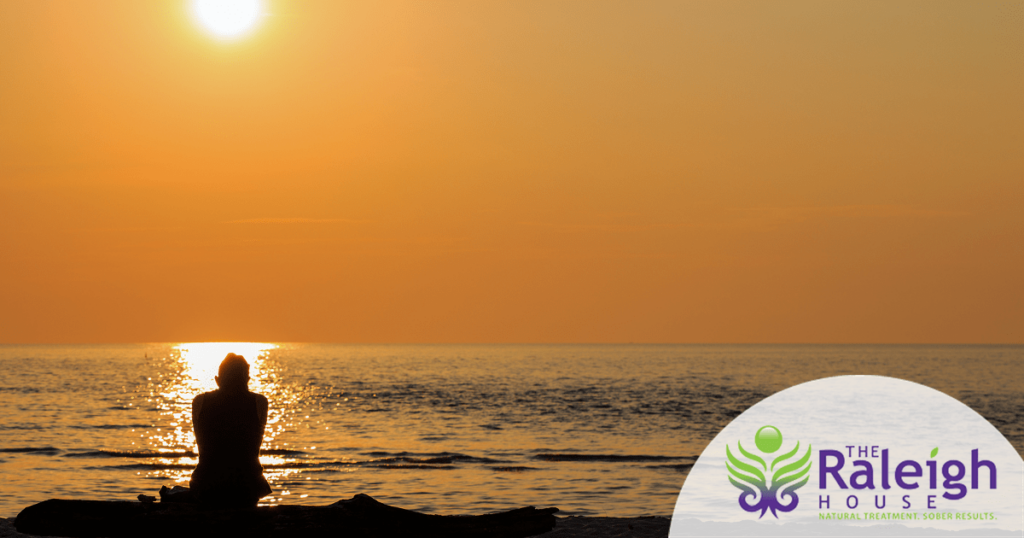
column 229, row 425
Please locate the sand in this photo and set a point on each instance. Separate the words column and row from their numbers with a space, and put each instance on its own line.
column 567, row 527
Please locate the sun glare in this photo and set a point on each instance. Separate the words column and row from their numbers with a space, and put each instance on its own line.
column 203, row 359
column 228, row 19
column 200, row 362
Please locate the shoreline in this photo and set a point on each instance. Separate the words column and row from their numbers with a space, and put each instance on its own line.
column 565, row 527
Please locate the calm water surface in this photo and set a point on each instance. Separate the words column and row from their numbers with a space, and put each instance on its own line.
column 594, row 430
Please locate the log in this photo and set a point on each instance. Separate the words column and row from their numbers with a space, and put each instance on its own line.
column 359, row 517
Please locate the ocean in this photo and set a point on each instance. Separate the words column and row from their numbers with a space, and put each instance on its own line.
column 596, row 430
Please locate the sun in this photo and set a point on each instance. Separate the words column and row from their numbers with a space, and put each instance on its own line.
column 228, row 19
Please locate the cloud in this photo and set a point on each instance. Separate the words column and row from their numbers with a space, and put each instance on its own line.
column 850, row 211
column 574, row 228
column 756, row 217
column 123, row 229
column 294, row 221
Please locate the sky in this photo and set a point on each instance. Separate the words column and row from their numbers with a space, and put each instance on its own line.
column 513, row 171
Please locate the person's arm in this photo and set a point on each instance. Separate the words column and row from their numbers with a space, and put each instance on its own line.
column 197, row 407
column 262, row 409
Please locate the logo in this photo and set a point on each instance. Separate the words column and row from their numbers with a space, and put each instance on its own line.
column 876, row 456
column 787, row 473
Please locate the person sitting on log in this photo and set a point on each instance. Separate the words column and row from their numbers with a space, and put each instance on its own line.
column 229, row 424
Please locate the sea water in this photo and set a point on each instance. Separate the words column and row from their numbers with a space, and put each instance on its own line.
column 607, row 430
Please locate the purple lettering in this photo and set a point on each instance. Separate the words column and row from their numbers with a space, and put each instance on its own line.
column 901, row 473
column 864, row 478
column 976, row 466
column 885, row 469
column 824, row 469
column 952, row 480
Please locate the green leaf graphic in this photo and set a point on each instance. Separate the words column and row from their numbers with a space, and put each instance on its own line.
column 740, row 476
column 786, row 456
column 751, row 456
column 742, row 467
column 935, row 451
column 778, row 477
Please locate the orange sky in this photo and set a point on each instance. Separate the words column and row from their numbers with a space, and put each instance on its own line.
column 513, row 171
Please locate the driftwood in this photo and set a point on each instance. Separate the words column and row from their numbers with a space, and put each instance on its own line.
column 359, row 517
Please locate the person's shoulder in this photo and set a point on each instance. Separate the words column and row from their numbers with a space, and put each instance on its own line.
column 262, row 408
column 197, row 404
column 202, row 396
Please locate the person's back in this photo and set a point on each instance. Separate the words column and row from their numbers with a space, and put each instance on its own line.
column 229, row 424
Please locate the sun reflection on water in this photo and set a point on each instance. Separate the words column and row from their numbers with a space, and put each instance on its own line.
column 201, row 361
column 198, row 363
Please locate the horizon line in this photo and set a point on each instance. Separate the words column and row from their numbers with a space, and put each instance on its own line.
column 521, row 343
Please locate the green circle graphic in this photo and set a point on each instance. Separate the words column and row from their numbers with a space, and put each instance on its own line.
column 768, row 439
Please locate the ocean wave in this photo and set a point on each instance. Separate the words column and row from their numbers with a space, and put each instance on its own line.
column 158, row 466
column 677, row 467
column 312, row 464
column 281, row 452
column 131, row 454
column 304, row 466
column 613, row 458
column 403, row 461
column 392, row 463
column 430, row 457
column 404, row 466
column 443, row 460
column 31, row 450
column 420, row 454
column 109, row 426
column 172, row 454
column 141, row 466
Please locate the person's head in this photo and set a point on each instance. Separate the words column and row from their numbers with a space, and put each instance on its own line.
column 233, row 373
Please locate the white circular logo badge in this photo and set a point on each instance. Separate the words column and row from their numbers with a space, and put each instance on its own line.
column 855, row 456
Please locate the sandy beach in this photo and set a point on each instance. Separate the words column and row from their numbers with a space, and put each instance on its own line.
column 567, row 527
